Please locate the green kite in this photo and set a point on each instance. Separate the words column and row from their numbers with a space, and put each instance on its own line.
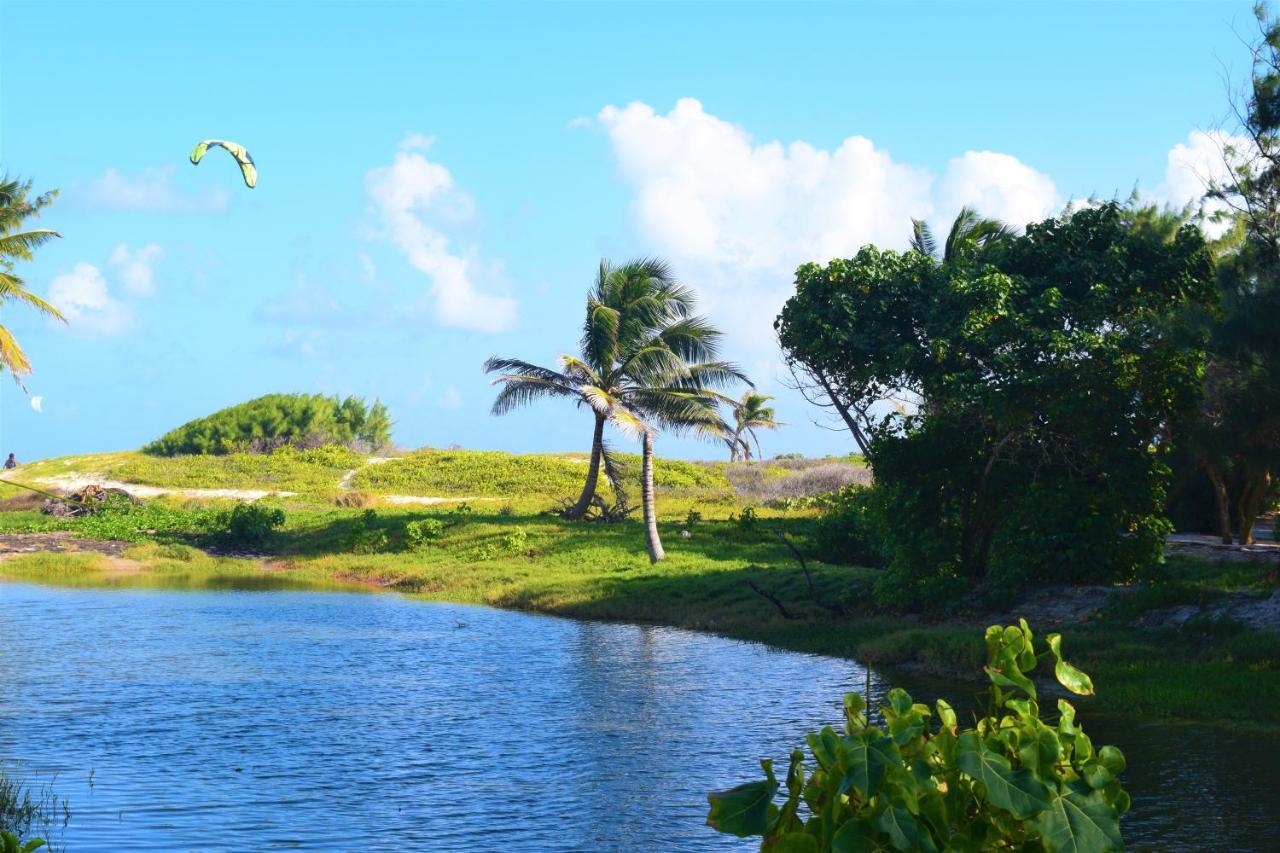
column 247, row 168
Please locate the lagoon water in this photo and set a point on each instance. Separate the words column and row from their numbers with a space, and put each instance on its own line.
column 231, row 719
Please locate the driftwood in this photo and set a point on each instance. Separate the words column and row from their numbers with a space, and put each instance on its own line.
column 87, row 501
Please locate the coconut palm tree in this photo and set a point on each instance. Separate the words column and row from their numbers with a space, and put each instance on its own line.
column 968, row 226
column 639, row 332
column 16, row 206
column 750, row 414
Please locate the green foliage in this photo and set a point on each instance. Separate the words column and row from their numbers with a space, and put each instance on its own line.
column 1041, row 370
column 485, row 473
column 250, row 524
column 367, row 535
column 420, row 534
column 316, row 470
column 276, row 420
column 10, row 843
column 849, row 531
column 18, row 243
column 122, row 520
column 1012, row 781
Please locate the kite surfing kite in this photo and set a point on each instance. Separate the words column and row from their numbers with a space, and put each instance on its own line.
column 247, row 169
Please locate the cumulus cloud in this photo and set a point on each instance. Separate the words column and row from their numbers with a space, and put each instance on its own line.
column 149, row 191
column 736, row 216
column 1193, row 165
column 84, row 298
column 136, row 268
column 416, row 200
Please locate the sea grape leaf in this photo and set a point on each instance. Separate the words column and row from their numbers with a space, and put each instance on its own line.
column 1068, row 676
column 1080, row 821
column 1016, row 791
column 866, row 757
column 857, row 836
column 742, row 810
column 794, row 842
column 904, row 830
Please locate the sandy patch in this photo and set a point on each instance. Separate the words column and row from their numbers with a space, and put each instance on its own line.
column 76, row 482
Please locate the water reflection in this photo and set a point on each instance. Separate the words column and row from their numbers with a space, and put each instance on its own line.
column 215, row 720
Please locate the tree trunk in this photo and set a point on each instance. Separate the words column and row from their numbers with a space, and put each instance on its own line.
column 593, row 473
column 646, row 493
column 1250, row 504
column 1221, row 499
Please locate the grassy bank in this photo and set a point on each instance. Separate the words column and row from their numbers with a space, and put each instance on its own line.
column 508, row 552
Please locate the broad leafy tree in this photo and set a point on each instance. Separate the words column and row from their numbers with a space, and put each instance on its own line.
column 1045, row 373
column 19, row 243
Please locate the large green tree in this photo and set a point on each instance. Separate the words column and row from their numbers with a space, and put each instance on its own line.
column 639, row 332
column 1235, row 439
column 1044, row 373
column 18, row 243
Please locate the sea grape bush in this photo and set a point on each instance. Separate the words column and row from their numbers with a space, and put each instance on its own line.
column 303, row 421
column 920, row 782
column 250, row 524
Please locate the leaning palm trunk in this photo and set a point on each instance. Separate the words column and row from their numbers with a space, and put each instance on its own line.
column 579, row 509
column 646, row 494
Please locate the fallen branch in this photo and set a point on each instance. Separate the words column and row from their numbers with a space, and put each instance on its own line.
column 773, row 599
column 834, row 609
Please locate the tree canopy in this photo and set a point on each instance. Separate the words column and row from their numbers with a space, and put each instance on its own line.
column 275, row 420
column 1036, row 375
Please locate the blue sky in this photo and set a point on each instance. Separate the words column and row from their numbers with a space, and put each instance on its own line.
column 439, row 181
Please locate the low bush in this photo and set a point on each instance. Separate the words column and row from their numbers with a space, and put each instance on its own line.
column 419, row 534
column 779, row 481
column 1015, row 780
column 355, row 500
column 366, row 536
column 249, row 524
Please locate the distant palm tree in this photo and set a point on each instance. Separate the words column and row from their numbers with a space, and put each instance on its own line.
column 968, row 226
column 638, row 333
column 750, row 414
column 16, row 206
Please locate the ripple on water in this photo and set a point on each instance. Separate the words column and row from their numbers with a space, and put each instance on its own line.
column 338, row 721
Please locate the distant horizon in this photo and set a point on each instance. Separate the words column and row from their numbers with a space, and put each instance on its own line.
column 445, row 192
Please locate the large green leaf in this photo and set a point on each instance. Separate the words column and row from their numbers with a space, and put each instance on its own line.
column 743, row 810
column 857, row 836
column 1068, row 676
column 904, row 830
column 793, row 842
column 866, row 757
column 1016, row 791
column 1080, row 821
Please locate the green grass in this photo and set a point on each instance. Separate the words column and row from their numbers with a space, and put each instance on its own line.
column 509, row 552
column 491, row 473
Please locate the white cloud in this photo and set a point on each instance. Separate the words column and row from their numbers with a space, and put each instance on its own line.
column 736, row 216
column 1193, row 165
column 149, row 191
column 37, row 404
column 85, row 300
column 450, row 399
column 135, row 269
column 415, row 199
column 996, row 185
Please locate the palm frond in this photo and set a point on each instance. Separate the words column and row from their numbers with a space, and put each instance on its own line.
column 12, row 356
column 524, row 368
column 922, row 238
column 519, row 391
column 23, row 243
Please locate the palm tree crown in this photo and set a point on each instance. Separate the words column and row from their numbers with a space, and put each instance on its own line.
column 645, row 360
column 968, row 226
column 16, row 206
column 750, row 414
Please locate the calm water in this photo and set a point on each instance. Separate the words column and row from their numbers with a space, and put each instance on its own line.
column 258, row 720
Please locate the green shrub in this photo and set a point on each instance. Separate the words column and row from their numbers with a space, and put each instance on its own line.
column 848, row 532
column 276, row 420
column 250, row 524
column 1013, row 781
column 366, row 536
column 419, row 534
column 516, row 541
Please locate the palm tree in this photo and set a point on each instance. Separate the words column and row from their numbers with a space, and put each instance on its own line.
column 750, row 414
column 968, row 226
column 16, row 205
column 638, row 331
